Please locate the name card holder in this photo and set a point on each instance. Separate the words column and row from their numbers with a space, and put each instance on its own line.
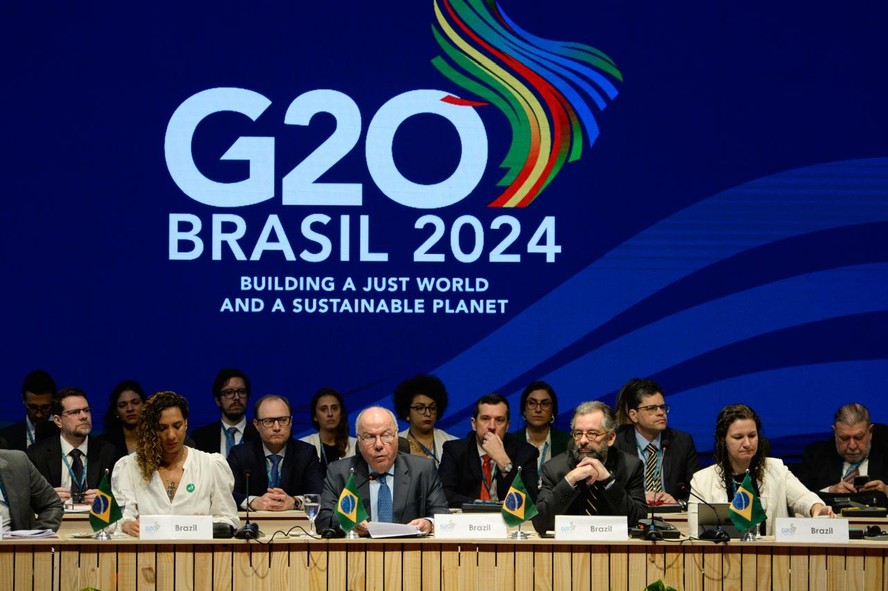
column 459, row 526
column 811, row 530
column 591, row 528
column 175, row 527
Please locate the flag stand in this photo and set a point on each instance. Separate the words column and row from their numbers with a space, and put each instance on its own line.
column 518, row 534
column 351, row 535
column 102, row 535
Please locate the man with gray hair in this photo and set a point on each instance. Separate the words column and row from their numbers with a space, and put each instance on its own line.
column 592, row 477
column 394, row 487
column 849, row 462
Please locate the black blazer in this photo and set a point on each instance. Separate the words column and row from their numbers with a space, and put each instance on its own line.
column 460, row 468
column 625, row 496
column 300, row 471
column 208, row 437
column 16, row 434
column 822, row 465
column 47, row 457
column 560, row 440
column 679, row 457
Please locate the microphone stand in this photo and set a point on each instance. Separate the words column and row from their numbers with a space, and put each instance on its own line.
column 249, row 531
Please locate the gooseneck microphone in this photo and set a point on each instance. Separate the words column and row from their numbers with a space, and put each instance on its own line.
column 248, row 531
column 714, row 535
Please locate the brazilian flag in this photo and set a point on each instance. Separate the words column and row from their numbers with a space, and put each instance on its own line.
column 349, row 509
column 518, row 507
column 746, row 509
column 104, row 510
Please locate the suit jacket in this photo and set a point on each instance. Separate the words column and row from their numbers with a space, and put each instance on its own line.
column 16, row 434
column 679, row 457
column 209, row 437
column 560, row 439
column 417, row 489
column 300, row 471
column 460, row 469
column 822, row 465
column 624, row 496
column 47, row 456
column 28, row 494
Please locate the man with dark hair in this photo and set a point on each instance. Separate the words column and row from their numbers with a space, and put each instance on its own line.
column 669, row 455
column 482, row 466
column 74, row 463
column 832, row 466
column 28, row 501
column 592, row 477
column 37, row 392
column 231, row 390
column 281, row 468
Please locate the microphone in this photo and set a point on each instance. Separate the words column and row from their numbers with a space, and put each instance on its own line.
column 248, row 531
column 715, row 535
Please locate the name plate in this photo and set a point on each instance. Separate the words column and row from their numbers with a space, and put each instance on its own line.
column 175, row 527
column 472, row 526
column 585, row 528
column 812, row 529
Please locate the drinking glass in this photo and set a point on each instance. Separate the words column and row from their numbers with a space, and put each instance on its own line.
column 312, row 504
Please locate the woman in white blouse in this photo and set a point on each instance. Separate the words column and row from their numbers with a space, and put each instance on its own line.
column 738, row 450
column 165, row 477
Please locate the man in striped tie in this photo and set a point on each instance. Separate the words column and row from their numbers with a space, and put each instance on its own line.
column 592, row 477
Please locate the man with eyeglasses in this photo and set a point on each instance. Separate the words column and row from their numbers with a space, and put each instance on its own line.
column 669, row 455
column 74, row 463
column 37, row 392
column 281, row 468
column 592, row 477
column 231, row 390
column 395, row 487
column 481, row 466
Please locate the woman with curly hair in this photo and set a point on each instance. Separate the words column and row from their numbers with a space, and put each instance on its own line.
column 165, row 477
column 738, row 450
column 332, row 440
column 122, row 417
column 421, row 401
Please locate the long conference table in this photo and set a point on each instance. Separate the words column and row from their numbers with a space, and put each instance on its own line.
column 301, row 562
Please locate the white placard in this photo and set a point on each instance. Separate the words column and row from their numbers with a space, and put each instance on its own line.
column 175, row 527
column 610, row 528
column 471, row 526
column 812, row 529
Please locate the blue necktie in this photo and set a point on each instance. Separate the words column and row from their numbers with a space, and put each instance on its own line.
column 384, row 500
column 229, row 439
column 274, row 479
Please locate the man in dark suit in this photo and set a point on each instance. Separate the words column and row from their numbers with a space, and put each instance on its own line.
column 670, row 456
column 30, row 500
column 37, row 392
column 482, row 466
column 281, row 468
column 231, row 390
column 394, row 487
column 73, row 463
column 831, row 466
column 592, row 477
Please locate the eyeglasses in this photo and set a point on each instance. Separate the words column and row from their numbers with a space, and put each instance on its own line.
column 370, row 439
column 652, row 408
column 590, row 435
column 425, row 408
column 543, row 404
column 270, row 421
column 75, row 412
column 230, row 393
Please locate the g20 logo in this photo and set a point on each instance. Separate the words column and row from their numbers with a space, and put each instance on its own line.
column 300, row 186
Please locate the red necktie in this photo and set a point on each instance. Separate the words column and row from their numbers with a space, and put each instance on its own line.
column 488, row 478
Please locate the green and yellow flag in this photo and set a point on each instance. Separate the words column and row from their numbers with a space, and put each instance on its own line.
column 104, row 510
column 746, row 509
column 349, row 509
column 518, row 507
